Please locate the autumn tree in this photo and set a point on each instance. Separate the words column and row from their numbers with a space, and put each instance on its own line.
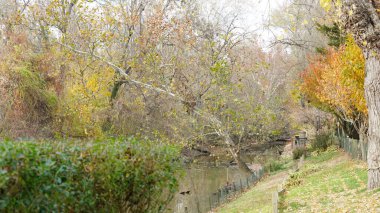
column 361, row 19
column 334, row 82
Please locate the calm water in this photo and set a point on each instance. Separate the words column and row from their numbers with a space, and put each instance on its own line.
column 202, row 181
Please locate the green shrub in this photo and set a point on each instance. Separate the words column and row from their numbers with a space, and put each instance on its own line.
column 104, row 176
column 298, row 152
column 34, row 94
column 274, row 165
column 321, row 142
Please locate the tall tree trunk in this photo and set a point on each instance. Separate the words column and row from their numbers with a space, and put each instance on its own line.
column 363, row 143
column 362, row 129
column 372, row 93
column 361, row 19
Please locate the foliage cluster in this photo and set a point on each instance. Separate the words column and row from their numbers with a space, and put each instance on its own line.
column 336, row 37
column 273, row 166
column 164, row 72
column 298, row 152
column 322, row 141
column 277, row 165
column 27, row 104
column 334, row 82
column 116, row 175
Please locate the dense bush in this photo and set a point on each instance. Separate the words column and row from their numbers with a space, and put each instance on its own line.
column 322, row 141
column 27, row 106
column 298, row 152
column 275, row 165
column 104, row 176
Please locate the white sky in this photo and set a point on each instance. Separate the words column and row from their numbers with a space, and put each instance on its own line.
column 254, row 14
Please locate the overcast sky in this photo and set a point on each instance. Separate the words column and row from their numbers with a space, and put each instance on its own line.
column 254, row 14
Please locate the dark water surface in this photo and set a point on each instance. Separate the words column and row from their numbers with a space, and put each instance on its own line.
column 199, row 184
column 202, row 180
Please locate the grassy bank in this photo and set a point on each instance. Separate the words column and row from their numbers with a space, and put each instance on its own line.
column 330, row 182
column 259, row 198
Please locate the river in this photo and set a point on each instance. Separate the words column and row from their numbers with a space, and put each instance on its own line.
column 205, row 178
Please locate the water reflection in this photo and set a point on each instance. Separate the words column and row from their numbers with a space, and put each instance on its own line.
column 202, row 180
column 198, row 185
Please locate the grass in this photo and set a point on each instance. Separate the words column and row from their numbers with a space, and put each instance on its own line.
column 259, row 198
column 330, row 182
column 275, row 166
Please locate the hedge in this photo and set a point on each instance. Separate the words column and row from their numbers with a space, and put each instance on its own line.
column 116, row 175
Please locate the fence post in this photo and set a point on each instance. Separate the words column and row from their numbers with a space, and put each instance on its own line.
column 222, row 194
column 241, row 185
column 247, row 182
column 275, row 202
column 209, row 200
column 352, row 147
column 218, row 197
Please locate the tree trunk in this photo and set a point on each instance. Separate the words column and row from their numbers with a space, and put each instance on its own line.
column 243, row 165
column 363, row 137
column 235, row 152
column 372, row 93
column 361, row 19
column 363, row 142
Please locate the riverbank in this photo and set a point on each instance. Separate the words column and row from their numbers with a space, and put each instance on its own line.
column 258, row 199
column 329, row 181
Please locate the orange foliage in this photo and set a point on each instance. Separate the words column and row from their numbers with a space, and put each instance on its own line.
column 335, row 81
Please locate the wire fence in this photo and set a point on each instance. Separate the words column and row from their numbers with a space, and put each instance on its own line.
column 231, row 190
column 355, row 148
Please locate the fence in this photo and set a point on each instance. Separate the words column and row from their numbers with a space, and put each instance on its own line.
column 353, row 147
column 230, row 190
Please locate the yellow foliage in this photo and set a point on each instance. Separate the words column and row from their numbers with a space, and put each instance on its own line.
column 325, row 4
column 85, row 99
column 336, row 81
